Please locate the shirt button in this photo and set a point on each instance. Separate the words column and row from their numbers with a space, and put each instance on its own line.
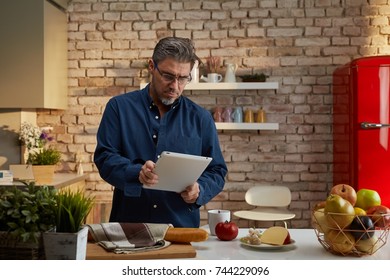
column 156, row 117
column 154, row 206
column 154, row 136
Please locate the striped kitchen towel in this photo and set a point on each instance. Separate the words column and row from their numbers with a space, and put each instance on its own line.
column 129, row 237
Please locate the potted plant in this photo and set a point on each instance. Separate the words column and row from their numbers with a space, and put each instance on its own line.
column 71, row 212
column 41, row 154
column 213, row 64
column 254, row 78
column 212, row 70
column 25, row 212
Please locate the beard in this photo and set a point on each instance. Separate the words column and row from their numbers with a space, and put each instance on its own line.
column 167, row 101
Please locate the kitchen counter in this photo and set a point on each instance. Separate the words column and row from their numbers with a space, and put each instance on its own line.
column 306, row 247
column 62, row 180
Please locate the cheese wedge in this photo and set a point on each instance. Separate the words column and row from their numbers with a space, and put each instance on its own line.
column 276, row 236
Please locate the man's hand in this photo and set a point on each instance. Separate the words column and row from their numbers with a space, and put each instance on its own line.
column 146, row 175
column 191, row 193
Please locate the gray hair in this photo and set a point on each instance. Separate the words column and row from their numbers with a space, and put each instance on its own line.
column 179, row 49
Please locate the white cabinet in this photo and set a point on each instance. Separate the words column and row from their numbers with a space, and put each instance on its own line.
column 236, row 86
column 33, row 55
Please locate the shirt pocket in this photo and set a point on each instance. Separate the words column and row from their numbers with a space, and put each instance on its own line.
column 186, row 145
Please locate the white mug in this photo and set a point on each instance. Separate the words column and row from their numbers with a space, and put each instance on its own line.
column 216, row 216
column 214, row 78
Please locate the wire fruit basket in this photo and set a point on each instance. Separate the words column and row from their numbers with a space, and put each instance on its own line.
column 365, row 235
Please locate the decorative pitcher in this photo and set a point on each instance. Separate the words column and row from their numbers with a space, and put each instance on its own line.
column 227, row 115
column 212, row 78
column 195, row 72
column 237, row 115
column 230, row 75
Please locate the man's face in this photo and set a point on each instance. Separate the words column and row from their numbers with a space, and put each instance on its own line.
column 169, row 79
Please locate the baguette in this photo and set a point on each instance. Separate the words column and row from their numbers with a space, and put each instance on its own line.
column 185, row 235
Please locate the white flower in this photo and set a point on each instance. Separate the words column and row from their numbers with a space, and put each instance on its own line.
column 30, row 136
column 36, row 140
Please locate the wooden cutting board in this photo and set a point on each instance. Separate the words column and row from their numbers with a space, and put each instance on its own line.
column 173, row 251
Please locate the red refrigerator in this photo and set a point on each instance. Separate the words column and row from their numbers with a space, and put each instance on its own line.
column 361, row 121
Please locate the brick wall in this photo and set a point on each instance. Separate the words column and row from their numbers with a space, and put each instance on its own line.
column 298, row 43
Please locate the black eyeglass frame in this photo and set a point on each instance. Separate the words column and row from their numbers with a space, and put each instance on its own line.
column 169, row 78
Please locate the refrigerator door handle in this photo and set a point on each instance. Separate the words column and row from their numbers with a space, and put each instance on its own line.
column 367, row 125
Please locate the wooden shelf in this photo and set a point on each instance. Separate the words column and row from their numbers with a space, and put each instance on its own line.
column 247, row 126
column 235, row 86
column 227, row 86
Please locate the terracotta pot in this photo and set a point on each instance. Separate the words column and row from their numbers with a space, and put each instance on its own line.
column 43, row 174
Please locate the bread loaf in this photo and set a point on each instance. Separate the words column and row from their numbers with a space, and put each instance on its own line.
column 186, row 235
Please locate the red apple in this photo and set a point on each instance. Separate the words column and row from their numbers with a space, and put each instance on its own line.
column 380, row 215
column 226, row 231
column 345, row 191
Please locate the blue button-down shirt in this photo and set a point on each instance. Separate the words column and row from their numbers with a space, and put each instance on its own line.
column 131, row 132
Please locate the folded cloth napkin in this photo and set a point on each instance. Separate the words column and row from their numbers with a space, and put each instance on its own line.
column 129, row 237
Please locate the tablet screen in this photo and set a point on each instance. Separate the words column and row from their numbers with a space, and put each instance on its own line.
column 176, row 171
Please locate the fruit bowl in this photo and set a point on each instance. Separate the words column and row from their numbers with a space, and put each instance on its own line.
column 365, row 235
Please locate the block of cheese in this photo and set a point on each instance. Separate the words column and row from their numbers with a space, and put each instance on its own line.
column 276, row 236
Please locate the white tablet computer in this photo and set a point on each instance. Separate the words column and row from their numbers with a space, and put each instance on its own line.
column 177, row 171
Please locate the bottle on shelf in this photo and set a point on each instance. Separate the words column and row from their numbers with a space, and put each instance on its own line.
column 261, row 118
column 227, row 115
column 218, row 114
column 249, row 116
column 237, row 115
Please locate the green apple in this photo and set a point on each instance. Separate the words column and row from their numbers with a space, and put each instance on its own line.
column 367, row 198
column 340, row 241
column 339, row 212
column 369, row 246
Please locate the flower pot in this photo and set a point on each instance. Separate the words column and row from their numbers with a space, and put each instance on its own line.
column 43, row 174
column 12, row 248
column 66, row 246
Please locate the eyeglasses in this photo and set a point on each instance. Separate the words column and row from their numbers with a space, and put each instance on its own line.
column 169, row 78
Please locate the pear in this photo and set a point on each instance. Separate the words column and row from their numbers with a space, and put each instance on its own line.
column 318, row 220
column 339, row 212
column 340, row 241
column 369, row 246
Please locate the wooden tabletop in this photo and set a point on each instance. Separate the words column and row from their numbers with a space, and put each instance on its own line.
column 96, row 252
